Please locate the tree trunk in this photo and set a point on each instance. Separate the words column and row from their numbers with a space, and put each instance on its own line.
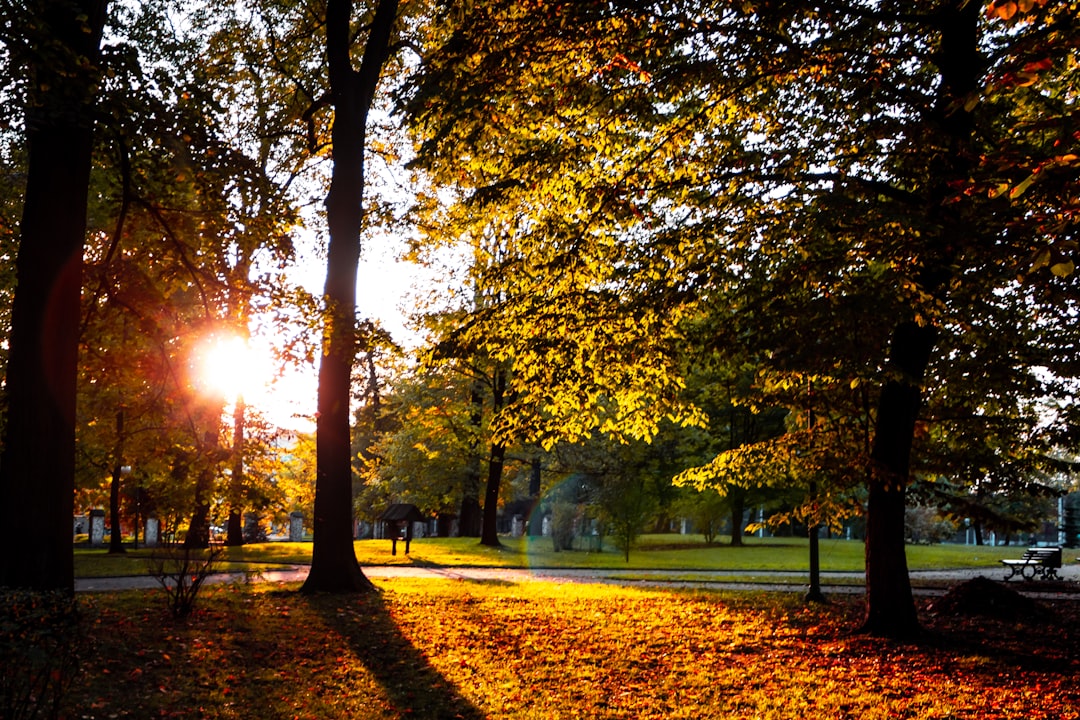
column 116, row 545
column 738, row 516
column 234, row 535
column 37, row 469
column 333, row 560
column 890, row 606
column 471, row 518
column 116, row 539
column 198, row 532
column 536, row 525
column 490, row 534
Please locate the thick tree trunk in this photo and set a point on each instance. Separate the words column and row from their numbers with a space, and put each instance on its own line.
column 37, row 469
column 234, row 534
column 490, row 534
column 890, row 606
column 333, row 561
column 198, row 532
column 471, row 519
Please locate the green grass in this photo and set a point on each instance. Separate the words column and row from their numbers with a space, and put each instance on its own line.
column 654, row 552
column 98, row 563
column 534, row 650
column 673, row 552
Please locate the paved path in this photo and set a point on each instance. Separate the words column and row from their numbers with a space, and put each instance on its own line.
column 768, row 581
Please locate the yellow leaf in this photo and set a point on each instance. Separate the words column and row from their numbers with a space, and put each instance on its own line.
column 1021, row 188
column 1063, row 269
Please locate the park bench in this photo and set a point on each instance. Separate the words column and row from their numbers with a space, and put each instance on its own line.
column 1041, row 562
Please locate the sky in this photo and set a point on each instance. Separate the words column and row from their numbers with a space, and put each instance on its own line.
column 386, row 290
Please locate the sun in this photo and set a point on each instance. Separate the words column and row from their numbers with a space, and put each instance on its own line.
column 235, row 368
column 226, row 368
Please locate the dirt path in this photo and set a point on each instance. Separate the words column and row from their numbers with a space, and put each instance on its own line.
column 925, row 582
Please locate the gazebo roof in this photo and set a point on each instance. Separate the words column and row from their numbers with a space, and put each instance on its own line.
column 402, row 511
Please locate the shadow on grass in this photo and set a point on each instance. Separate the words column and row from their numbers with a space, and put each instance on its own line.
column 415, row 687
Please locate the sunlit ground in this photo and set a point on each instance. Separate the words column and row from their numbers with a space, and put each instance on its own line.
column 448, row 649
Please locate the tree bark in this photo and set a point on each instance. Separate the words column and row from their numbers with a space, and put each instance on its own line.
column 489, row 534
column 471, row 519
column 116, row 544
column 738, row 515
column 536, row 525
column 198, row 532
column 37, row 468
column 234, row 534
column 333, row 561
column 890, row 605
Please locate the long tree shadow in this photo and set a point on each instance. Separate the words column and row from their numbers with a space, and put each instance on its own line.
column 403, row 671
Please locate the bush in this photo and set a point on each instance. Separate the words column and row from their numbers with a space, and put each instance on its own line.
column 39, row 633
column 181, row 571
column 925, row 526
column 563, row 518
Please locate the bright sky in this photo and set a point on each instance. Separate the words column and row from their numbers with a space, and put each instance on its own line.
column 385, row 290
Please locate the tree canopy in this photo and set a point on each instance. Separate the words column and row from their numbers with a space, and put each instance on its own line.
column 842, row 233
column 838, row 189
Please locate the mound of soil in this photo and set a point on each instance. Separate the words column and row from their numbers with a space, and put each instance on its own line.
column 987, row 598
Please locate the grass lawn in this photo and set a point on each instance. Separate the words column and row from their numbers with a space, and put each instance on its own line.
column 459, row 649
column 654, row 552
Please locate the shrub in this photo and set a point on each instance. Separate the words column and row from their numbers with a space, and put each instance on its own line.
column 181, row 572
column 38, row 652
column 925, row 525
column 563, row 517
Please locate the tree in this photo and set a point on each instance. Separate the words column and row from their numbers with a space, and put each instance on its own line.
column 352, row 92
column 172, row 246
column 421, row 460
column 37, row 466
column 785, row 167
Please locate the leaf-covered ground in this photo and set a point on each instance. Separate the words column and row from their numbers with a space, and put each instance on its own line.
column 450, row 649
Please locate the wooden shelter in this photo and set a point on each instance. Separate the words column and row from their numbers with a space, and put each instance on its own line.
column 398, row 520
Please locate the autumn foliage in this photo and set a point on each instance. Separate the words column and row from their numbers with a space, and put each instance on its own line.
column 450, row 649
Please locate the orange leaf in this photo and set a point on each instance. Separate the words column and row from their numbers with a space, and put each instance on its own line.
column 1004, row 10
